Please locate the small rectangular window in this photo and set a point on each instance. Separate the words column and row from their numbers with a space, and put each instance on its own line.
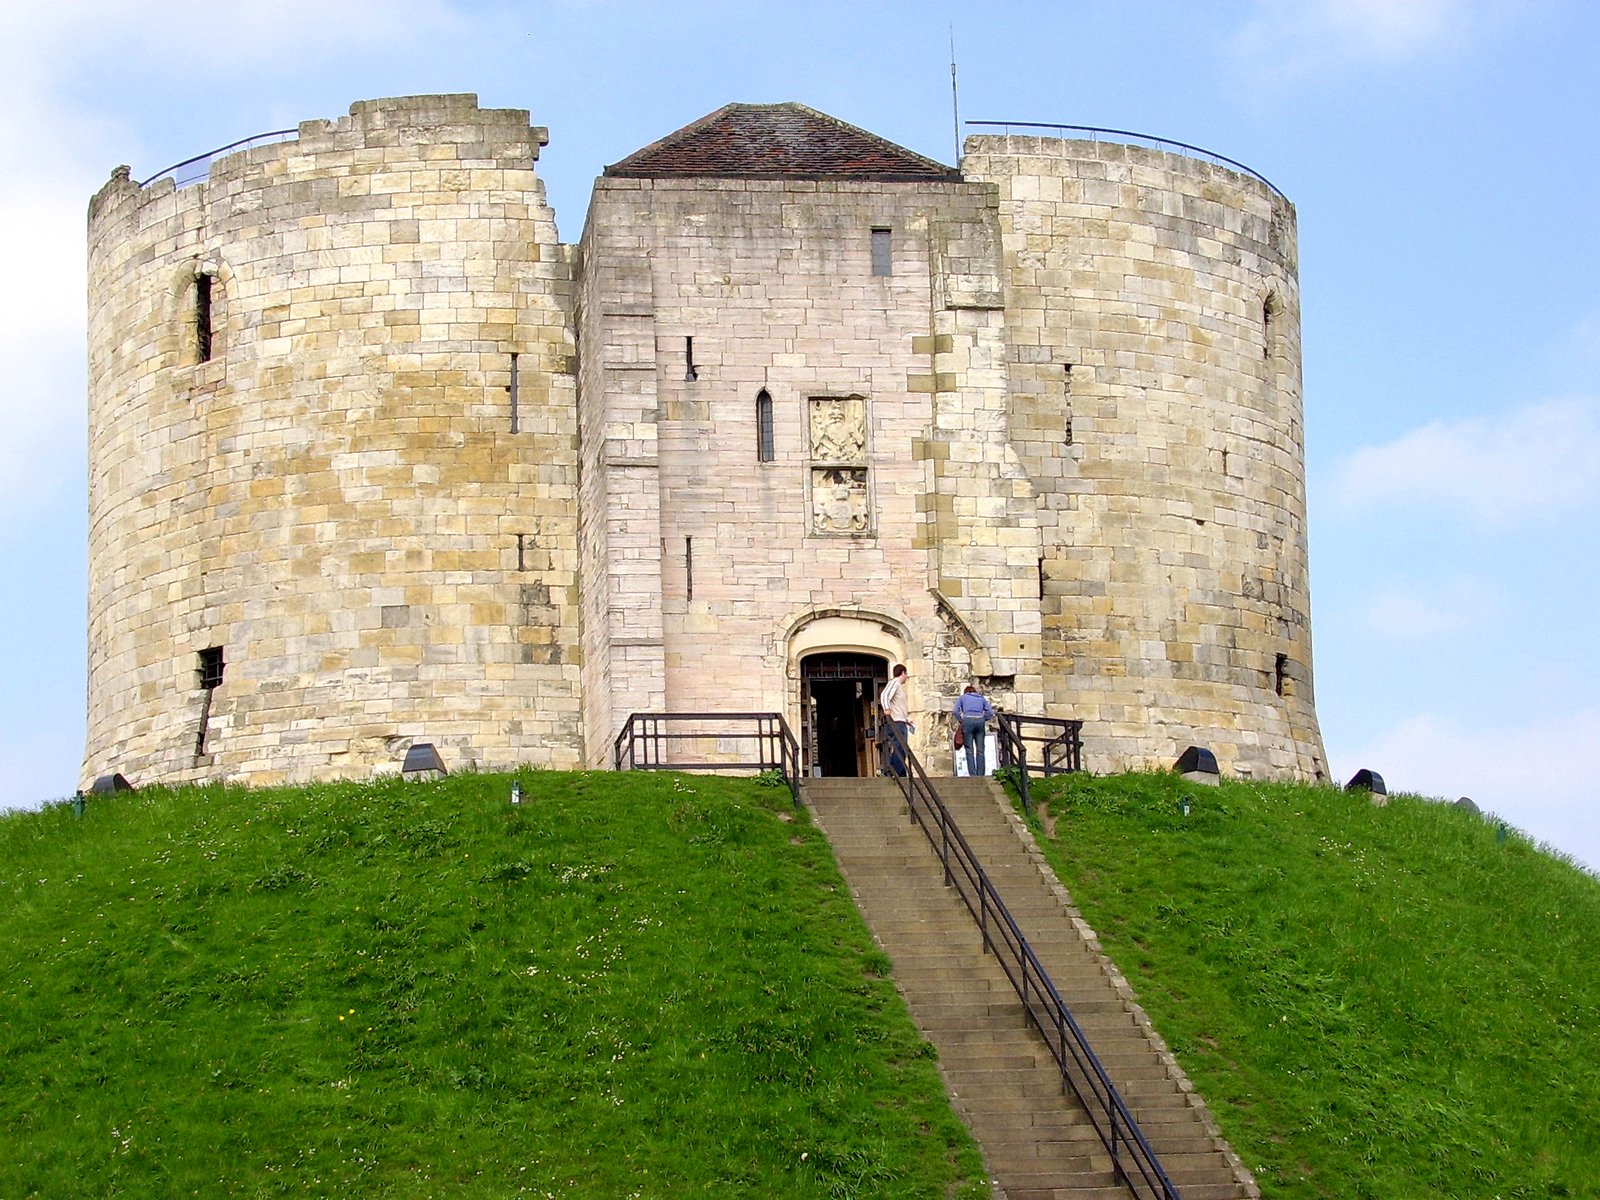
column 688, row 358
column 882, row 252
column 688, row 568
column 210, row 668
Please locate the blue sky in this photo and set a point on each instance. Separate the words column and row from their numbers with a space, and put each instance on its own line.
column 1443, row 155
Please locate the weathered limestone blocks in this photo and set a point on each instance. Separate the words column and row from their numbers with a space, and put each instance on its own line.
column 306, row 455
column 376, row 459
column 764, row 292
column 1153, row 319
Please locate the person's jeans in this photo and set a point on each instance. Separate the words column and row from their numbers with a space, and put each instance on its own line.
column 897, row 758
column 974, row 742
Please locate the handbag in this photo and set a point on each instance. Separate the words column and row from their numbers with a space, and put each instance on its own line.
column 960, row 738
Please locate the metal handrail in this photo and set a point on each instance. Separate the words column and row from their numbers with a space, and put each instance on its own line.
column 209, row 155
column 646, row 741
column 1079, row 1066
column 1013, row 751
column 1212, row 155
column 1060, row 740
column 1061, row 747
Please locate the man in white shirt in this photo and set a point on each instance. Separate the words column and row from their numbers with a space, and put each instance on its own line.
column 894, row 705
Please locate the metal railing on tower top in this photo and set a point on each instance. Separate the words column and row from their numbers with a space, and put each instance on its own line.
column 197, row 168
column 1159, row 143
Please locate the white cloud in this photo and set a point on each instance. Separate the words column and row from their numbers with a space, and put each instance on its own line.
column 1534, row 460
column 1540, row 776
column 1294, row 38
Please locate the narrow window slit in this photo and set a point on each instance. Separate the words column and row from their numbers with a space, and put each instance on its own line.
column 202, row 316
column 1269, row 315
column 688, row 357
column 522, row 560
column 511, row 391
column 765, row 450
column 688, row 567
column 1280, row 670
column 1066, row 395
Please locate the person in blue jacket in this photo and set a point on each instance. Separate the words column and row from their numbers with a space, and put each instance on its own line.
column 972, row 715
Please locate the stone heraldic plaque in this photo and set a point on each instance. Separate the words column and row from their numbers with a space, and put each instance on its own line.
column 839, row 498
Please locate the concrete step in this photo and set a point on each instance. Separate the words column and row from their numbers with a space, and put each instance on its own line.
column 1037, row 1140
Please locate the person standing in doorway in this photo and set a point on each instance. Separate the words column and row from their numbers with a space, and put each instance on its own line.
column 972, row 715
column 895, row 708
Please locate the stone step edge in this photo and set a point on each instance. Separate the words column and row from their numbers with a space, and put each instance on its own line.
column 1242, row 1174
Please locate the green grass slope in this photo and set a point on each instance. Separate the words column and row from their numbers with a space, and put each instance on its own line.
column 1376, row 1002
column 629, row 986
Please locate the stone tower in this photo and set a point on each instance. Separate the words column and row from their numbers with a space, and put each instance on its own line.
column 1153, row 326
column 376, row 459
column 332, row 445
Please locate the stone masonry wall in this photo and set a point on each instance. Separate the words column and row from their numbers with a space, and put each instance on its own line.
column 768, row 286
column 1041, row 429
column 336, row 499
column 1152, row 313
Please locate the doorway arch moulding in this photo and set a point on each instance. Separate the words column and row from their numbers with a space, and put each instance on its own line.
column 859, row 629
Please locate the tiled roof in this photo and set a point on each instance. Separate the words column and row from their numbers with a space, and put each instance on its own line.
column 777, row 141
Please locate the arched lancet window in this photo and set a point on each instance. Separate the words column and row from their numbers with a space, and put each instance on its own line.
column 202, row 316
column 764, row 443
column 1270, row 308
column 201, row 292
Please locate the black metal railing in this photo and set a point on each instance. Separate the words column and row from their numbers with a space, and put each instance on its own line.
column 1159, row 142
column 199, row 166
column 1135, row 1162
column 709, row 742
column 1059, row 742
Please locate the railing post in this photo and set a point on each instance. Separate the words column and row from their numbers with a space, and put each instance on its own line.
column 944, row 834
column 983, row 919
column 1116, row 1158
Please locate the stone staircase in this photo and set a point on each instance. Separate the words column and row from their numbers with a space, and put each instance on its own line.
column 1037, row 1142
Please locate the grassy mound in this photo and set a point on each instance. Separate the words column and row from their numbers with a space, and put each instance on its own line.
column 631, row 985
column 1376, row 1002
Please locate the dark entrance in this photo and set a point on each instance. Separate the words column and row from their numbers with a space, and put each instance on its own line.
column 838, row 712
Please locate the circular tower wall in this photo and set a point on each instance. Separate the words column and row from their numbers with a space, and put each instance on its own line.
column 1153, row 319
column 322, row 523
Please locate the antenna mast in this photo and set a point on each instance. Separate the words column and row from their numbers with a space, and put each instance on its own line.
column 955, row 104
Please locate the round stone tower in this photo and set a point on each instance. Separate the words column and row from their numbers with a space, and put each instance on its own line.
column 332, row 456
column 1152, row 311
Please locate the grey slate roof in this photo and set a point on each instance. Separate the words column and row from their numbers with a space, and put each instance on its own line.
column 777, row 141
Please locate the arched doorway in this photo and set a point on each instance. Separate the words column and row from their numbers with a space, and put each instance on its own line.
column 838, row 711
